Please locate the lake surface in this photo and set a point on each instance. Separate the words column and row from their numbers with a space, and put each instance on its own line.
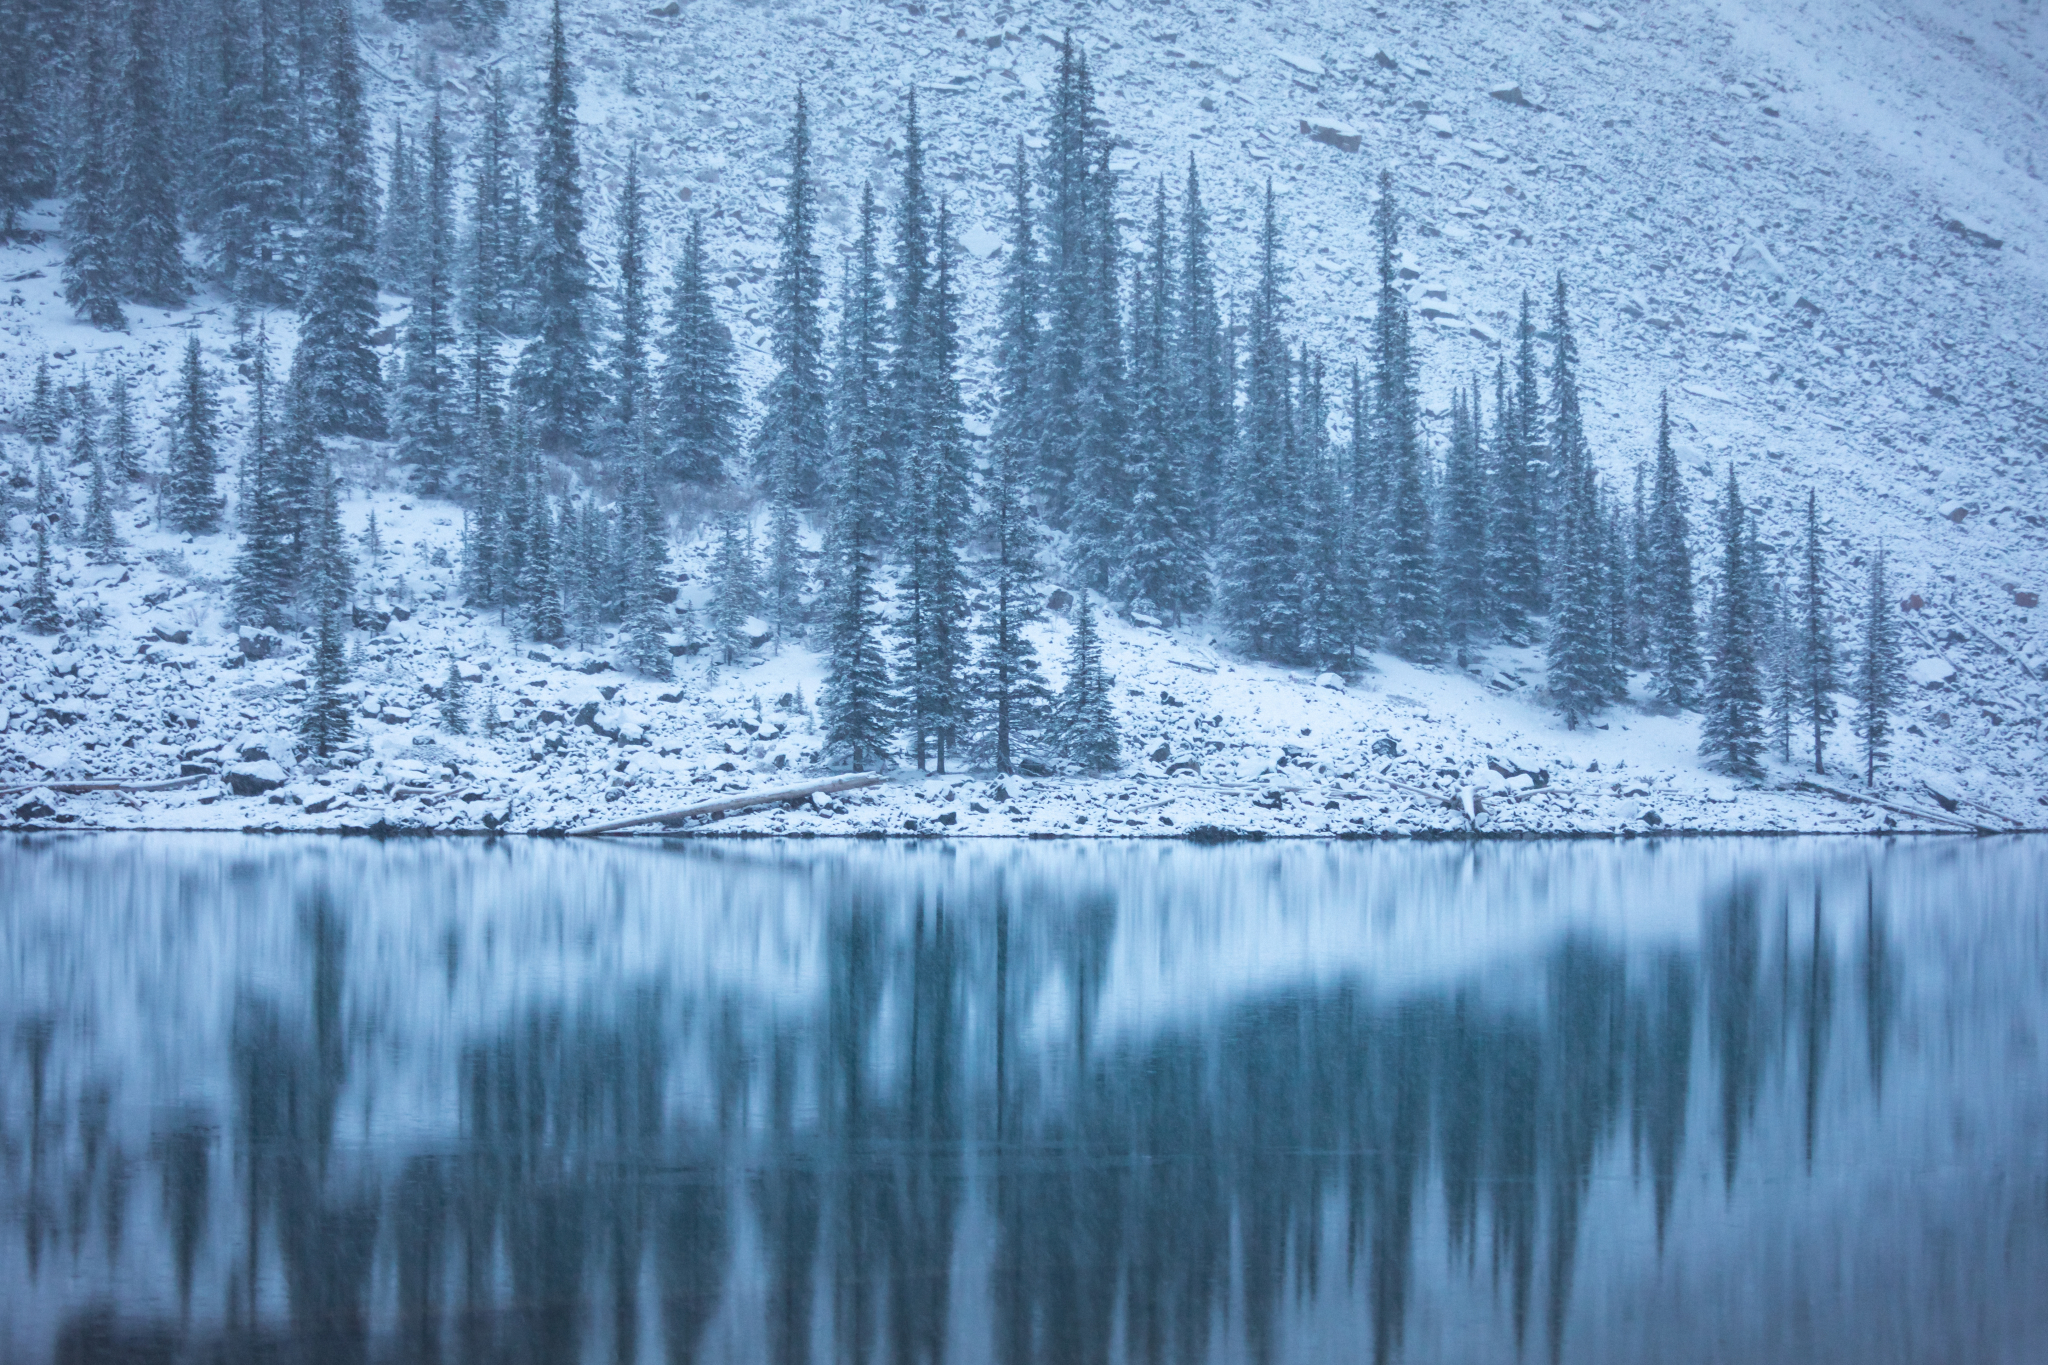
column 337, row 1100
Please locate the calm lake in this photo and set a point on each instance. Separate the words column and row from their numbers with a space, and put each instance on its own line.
column 337, row 1100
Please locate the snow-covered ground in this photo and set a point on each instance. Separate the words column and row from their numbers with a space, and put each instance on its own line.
column 1781, row 213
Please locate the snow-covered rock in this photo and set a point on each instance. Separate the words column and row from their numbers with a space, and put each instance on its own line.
column 254, row 779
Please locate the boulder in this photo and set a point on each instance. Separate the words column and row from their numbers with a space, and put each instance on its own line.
column 1970, row 230
column 254, row 779
column 172, row 637
column 1438, row 124
column 1332, row 133
column 2025, row 599
column 1956, row 511
column 1931, row 672
column 668, row 11
column 1509, row 93
column 37, row 805
column 1059, row 600
column 1305, row 65
column 1333, row 681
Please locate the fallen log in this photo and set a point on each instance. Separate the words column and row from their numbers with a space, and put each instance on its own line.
column 1839, row 794
column 107, row 785
column 825, row 787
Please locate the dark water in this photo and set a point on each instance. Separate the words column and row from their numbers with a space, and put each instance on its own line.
column 332, row 1101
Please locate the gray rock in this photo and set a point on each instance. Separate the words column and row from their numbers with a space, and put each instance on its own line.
column 254, row 779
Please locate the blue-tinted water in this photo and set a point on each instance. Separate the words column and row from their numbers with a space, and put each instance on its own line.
column 270, row 1099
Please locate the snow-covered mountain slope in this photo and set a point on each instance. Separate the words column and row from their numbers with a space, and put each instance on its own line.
column 1816, row 225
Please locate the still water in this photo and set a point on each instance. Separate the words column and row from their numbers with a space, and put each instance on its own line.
column 335, row 1100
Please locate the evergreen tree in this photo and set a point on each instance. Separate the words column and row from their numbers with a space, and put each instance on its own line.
column 557, row 375
column 540, row 591
column 401, row 240
column 1259, row 590
column 1673, row 625
column 191, row 504
column 145, row 219
column 1074, row 201
column 906, row 403
column 782, row 592
column 858, row 704
column 343, row 387
column 326, row 721
column 1087, row 721
column 1466, row 569
column 1816, row 673
column 1099, row 498
column 495, row 216
column 38, row 606
column 1010, row 691
column 1409, row 606
column 454, row 702
column 1517, row 528
column 21, row 143
column 629, row 350
column 93, row 269
column 1732, row 732
column 427, row 399
column 794, row 421
column 733, row 592
column 1365, row 512
column 124, row 449
column 698, row 405
column 935, row 520
column 1328, row 626
column 1582, row 671
column 44, row 424
column 1880, row 681
column 1204, row 401
column 102, row 540
column 1779, row 652
column 52, row 505
column 263, row 569
column 1163, row 570
column 256, row 248
column 644, row 555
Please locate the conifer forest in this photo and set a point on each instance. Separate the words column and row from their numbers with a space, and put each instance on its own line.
column 991, row 459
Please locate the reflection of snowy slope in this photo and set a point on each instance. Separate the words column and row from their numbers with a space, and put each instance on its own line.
column 1780, row 214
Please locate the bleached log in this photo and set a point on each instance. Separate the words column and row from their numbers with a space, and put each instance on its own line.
column 731, row 803
column 1860, row 798
column 107, row 785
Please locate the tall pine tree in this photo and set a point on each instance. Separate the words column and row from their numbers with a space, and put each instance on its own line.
column 1673, row 627
column 93, row 271
column 343, row 386
column 147, row 240
column 626, row 434
column 1087, row 721
column 427, row 397
column 1259, row 591
column 698, row 406
column 794, row 426
column 191, row 504
column 1880, row 681
column 1732, row 731
column 1411, row 614
column 557, row 375
column 1816, row 675
column 1465, row 571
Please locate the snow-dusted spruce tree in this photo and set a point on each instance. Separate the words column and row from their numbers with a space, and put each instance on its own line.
column 794, row 409
column 1780, row 656
column 428, row 403
column 43, row 424
column 191, row 504
column 1069, row 192
column 1673, row 637
column 1100, row 498
column 262, row 584
column 934, row 521
column 454, row 705
column 1461, row 549
column 625, row 422
column 21, row 143
column 1583, row 674
column 342, row 387
column 1818, row 678
column 52, row 503
column 733, row 590
column 1204, row 403
column 1365, row 510
column 495, row 215
column 905, row 401
column 92, row 261
column 540, row 591
column 859, row 707
column 782, row 586
column 1086, row 719
column 697, row 402
column 1010, row 694
column 398, row 231
column 1329, row 632
column 102, row 540
column 1162, row 569
column 1732, row 730
column 146, row 237
column 329, row 580
column 1880, row 680
column 557, row 376
column 257, row 209
column 1259, row 599
column 39, row 614
column 123, row 445
column 1409, row 603
column 1519, row 523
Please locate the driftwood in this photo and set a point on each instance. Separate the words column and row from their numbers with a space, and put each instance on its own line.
column 1808, row 784
column 1987, row 638
column 108, row 785
column 719, row 807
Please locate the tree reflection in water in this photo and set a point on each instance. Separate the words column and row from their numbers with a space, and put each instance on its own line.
column 981, row 1103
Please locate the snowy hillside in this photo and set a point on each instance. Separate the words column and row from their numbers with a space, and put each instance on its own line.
column 1816, row 226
